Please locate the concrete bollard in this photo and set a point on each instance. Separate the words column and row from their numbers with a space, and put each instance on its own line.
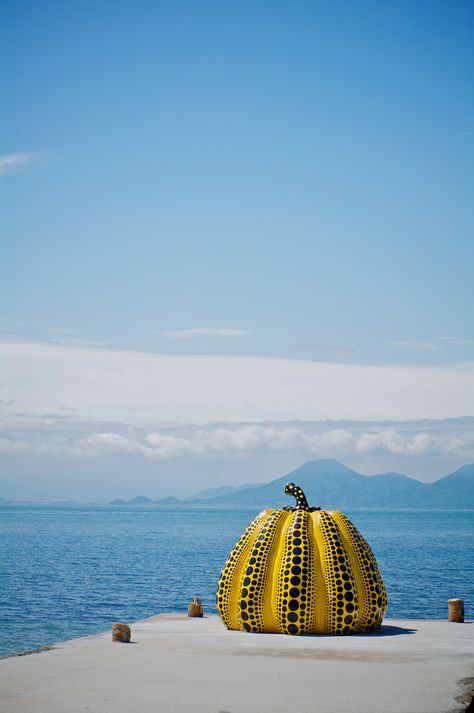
column 195, row 607
column 456, row 610
column 121, row 632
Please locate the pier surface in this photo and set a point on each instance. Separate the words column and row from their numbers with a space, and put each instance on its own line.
column 181, row 665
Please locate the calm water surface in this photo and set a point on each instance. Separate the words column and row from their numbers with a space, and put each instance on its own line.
column 68, row 572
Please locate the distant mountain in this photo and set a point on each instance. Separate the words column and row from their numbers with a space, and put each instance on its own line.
column 169, row 501
column 331, row 485
column 138, row 501
column 217, row 492
column 456, row 489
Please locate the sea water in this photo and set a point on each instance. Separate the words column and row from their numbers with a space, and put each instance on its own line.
column 72, row 571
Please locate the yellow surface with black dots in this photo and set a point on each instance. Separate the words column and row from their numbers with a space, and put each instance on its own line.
column 301, row 571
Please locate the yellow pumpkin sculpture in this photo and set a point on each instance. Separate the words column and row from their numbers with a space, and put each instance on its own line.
column 301, row 570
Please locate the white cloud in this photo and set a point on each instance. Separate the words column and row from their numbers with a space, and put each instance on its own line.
column 429, row 346
column 11, row 445
column 167, row 446
column 26, row 331
column 245, row 439
column 327, row 349
column 204, row 332
column 456, row 341
column 77, row 342
column 11, row 163
column 249, row 439
column 436, row 345
column 110, row 443
column 461, row 447
column 30, row 327
column 394, row 442
column 336, row 439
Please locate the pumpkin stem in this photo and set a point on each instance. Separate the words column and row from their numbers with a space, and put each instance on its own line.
column 301, row 502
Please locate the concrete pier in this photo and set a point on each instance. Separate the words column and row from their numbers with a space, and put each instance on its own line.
column 177, row 664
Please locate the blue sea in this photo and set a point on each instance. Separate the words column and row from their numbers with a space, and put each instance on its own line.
column 70, row 571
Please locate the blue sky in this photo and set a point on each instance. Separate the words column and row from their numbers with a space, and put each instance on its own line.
column 272, row 179
column 300, row 171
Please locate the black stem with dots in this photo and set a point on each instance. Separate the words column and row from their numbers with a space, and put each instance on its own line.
column 301, row 502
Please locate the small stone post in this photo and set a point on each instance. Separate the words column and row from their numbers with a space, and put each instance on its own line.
column 195, row 607
column 456, row 610
column 121, row 632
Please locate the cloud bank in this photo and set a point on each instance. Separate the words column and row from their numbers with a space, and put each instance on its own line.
column 313, row 440
column 204, row 332
column 436, row 345
column 250, row 438
column 136, row 387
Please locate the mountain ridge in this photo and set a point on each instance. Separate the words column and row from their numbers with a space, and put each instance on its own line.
column 328, row 484
column 331, row 484
column 209, row 493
